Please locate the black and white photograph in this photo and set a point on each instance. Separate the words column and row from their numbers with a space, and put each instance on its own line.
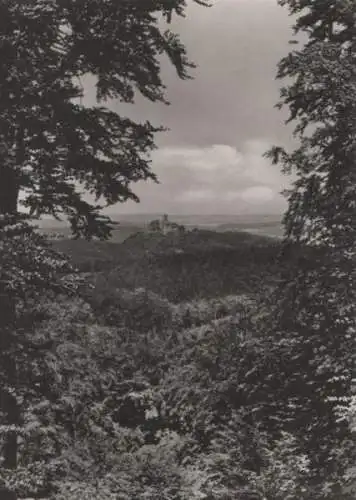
column 178, row 249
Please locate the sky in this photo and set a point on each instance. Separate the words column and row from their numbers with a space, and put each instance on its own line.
column 221, row 122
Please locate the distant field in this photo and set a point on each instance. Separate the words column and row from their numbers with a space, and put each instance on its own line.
column 264, row 226
column 275, row 231
column 118, row 235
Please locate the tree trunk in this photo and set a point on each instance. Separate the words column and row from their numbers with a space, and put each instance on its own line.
column 8, row 402
column 9, row 192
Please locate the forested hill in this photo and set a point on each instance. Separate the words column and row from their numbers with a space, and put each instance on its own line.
column 179, row 267
column 160, row 377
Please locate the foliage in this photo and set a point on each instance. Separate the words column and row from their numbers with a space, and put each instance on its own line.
column 191, row 266
column 314, row 320
column 166, row 376
column 155, row 225
column 30, row 268
column 53, row 146
column 285, row 472
column 153, row 411
column 50, row 140
column 139, row 309
column 106, row 402
column 199, row 312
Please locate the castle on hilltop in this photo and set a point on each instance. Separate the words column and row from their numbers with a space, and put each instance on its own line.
column 165, row 226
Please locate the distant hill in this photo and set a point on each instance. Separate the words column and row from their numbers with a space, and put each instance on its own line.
column 199, row 218
column 128, row 224
column 119, row 234
column 198, row 263
column 266, row 228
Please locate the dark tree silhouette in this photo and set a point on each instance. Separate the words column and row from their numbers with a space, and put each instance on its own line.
column 50, row 142
column 316, row 310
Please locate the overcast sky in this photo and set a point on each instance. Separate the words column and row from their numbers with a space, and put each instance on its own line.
column 222, row 121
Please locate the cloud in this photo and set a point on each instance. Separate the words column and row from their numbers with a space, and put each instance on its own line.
column 221, row 122
column 196, row 195
column 212, row 179
column 258, row 195
column 236, row 45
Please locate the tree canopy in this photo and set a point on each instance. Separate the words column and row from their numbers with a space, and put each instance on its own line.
column 52, row 146
column 316, row 316
column 53, row 149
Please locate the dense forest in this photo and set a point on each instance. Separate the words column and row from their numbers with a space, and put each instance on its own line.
column 150, row 374
column 184, row 364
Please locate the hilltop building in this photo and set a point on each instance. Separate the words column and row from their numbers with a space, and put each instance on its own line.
column 165, row 226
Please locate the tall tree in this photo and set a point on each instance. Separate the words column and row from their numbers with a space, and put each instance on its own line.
column 29, row 269
column 316, row 315
column 53, row 147
column 51, row 143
